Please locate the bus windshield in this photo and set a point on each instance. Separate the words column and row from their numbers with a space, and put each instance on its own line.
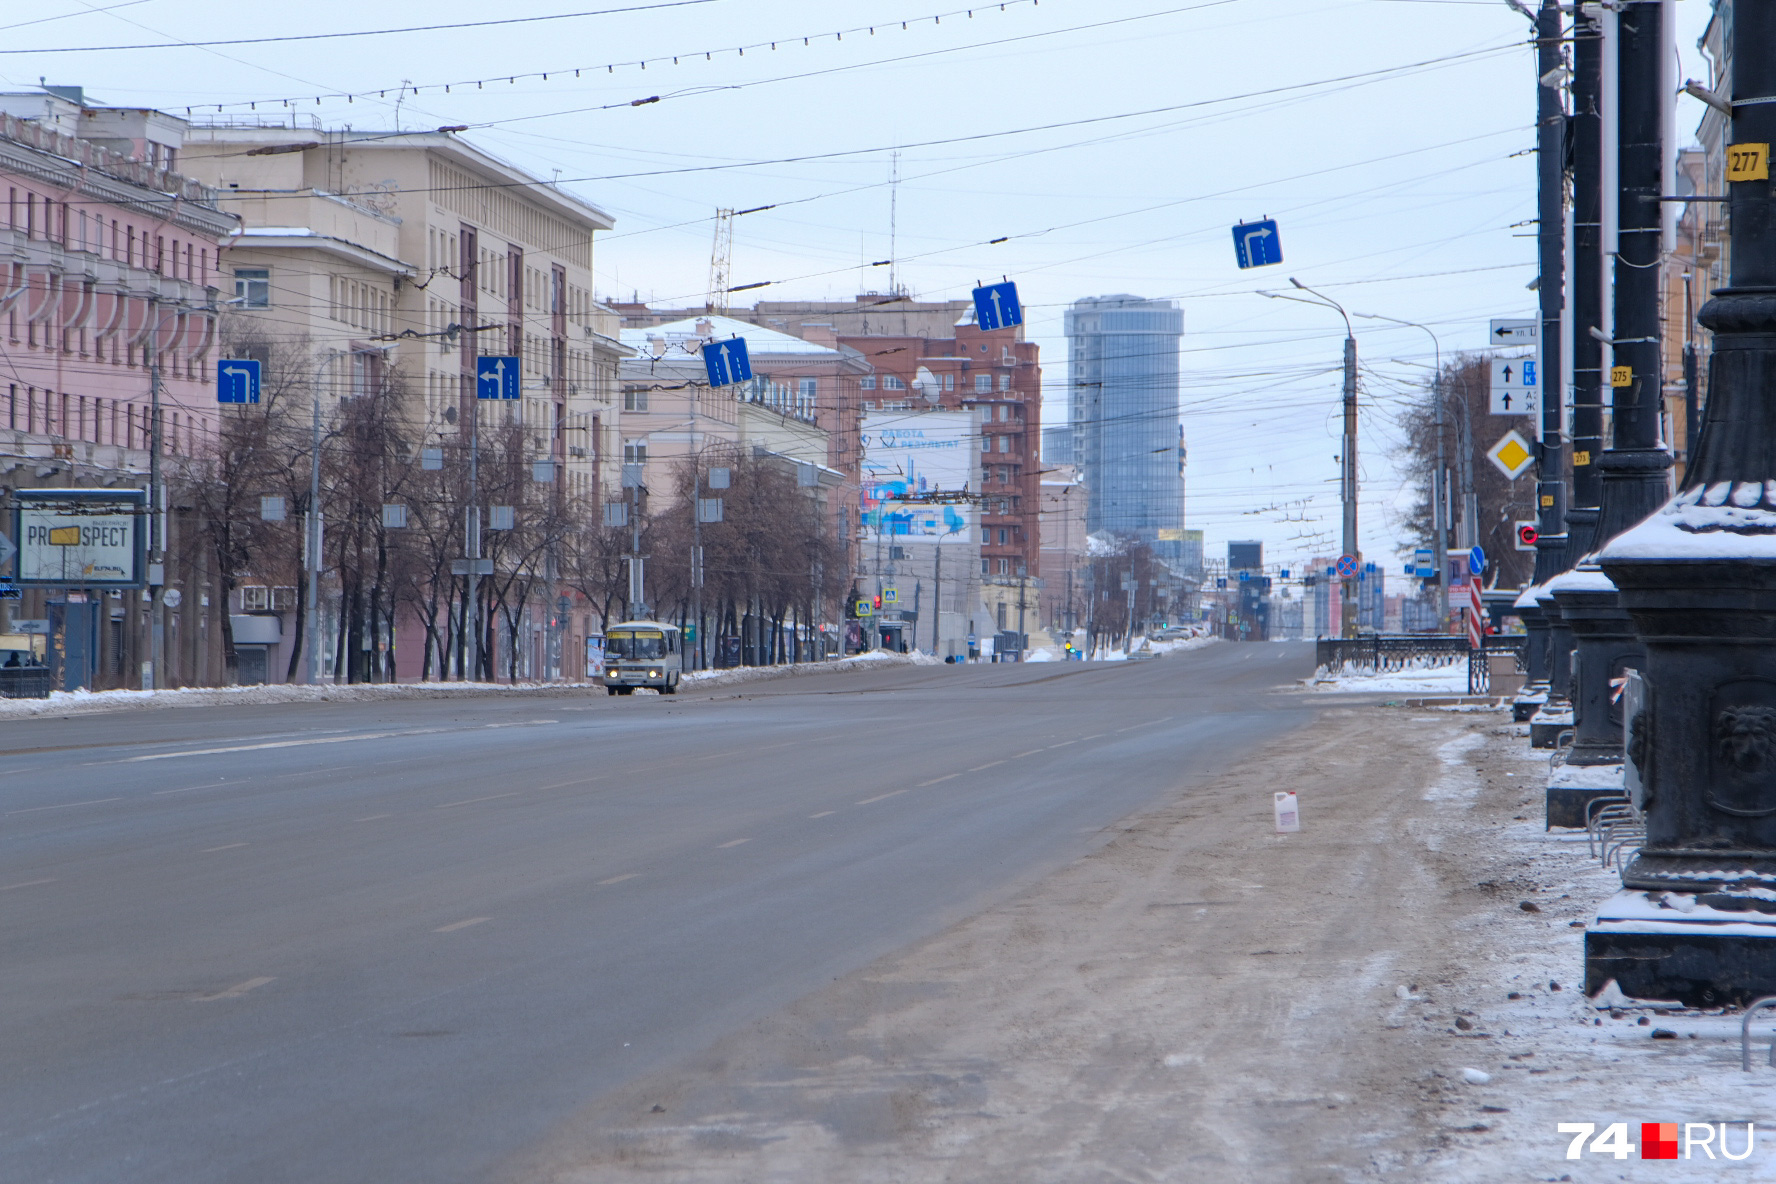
column 644, row 645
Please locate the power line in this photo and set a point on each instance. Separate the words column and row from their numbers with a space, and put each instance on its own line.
column 514, row 20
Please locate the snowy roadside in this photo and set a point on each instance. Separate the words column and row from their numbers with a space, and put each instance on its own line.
column 1433, row 680
column 64, row 703
column 1049, row 653
column 1551, row 1054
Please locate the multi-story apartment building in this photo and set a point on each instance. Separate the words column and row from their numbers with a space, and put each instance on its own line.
column 421, row 251
column 108, row 276
column 408, row 256
column 1123, row 392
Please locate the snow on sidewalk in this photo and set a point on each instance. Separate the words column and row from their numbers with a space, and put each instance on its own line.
column 64, row 703
column 1422, row 680
column 1549, row 1054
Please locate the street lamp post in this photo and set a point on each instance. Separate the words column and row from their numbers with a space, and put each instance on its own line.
column 312, row 533
column 1698, row 579
column 1439, row 479
column 1348, row 457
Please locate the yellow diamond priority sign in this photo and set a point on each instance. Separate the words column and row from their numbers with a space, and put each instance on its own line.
column 1512, row 454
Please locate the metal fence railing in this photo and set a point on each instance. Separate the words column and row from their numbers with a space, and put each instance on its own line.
column 1390, row 653
column 29, row 682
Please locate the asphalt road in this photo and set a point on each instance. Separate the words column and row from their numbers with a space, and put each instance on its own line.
column 344, row 942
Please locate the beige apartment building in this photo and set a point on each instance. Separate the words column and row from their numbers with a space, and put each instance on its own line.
column 421, row 251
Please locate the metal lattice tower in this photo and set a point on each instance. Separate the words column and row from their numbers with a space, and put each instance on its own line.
column 721, row 256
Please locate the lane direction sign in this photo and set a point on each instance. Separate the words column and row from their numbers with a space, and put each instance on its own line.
column 1257, row 244
column 1476, row 560
column 727, row 361
column 1511, row 455
column 1516, row 389
column 237, row 380
column 996, row 306
column 1514, row 332
column 496, row 377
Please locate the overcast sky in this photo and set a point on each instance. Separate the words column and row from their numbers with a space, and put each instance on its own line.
column 1389, row 138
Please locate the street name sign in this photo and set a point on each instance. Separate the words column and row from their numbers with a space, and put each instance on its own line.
column 996, row 306
column 1512, row 455
column 237, row 380
column 727, row 362
column 1515, row 389
column 1257, row 244
column 496, row 377
column 1514, row 332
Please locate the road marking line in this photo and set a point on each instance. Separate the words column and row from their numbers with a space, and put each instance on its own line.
column 167, row 756
column 935, row 780
column 731, row 843
column 1095, row 736
column 26, row 884
column 1063, row 744
column 823, row 814
column 454, row 926
column 565, row 784
column 187, row 789
column 223, row 847
column 373, row 818
column 236, row 991
column 471, row 801
column 988, row 765
column 1032, row 752
column 881, row 796
column 618, row 879
column 63, row 806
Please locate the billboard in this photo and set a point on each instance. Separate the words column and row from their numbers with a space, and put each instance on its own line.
column 81, row 538
column 910, row 456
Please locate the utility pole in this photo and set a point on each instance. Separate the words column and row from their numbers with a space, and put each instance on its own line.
column 1550, row 290
column 1587, row 396
column 313, row 536
column 1633, row 470
column 156, row 673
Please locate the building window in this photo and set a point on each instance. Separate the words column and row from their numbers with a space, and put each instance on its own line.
column 635, row 452
column 1004, row 535
column 986, row 537
column 1004, row 570
column 949, row 382
column 986, row 443
column 635, row 400
column 983, row 383
column 984, row 564
column 867, row 382
column 1005, row 382
column 1004, row 443
column 892, row 382
column 252, row 286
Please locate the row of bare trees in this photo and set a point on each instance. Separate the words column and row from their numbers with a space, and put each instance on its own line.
column 395, row 504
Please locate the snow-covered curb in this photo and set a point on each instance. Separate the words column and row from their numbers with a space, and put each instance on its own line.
column 1161, row 648
column 1444, row 680
column 94, row 703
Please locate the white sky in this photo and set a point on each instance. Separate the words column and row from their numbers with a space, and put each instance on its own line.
column 1396, row 195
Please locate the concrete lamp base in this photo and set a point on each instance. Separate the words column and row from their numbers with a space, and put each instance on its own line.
column 1666, row 947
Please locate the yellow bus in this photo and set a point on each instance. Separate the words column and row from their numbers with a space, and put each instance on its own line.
column 641, row 654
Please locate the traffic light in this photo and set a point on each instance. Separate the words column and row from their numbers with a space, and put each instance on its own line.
column 878, row 602
column 1526, row 536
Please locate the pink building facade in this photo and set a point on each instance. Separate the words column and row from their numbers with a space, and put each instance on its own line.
column 108, row 261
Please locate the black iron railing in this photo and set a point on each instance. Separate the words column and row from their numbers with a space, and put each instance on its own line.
column 1387, row 653
column 29, row 682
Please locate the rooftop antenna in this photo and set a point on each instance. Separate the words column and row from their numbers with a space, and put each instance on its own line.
column 893, row 219
column 720, row 257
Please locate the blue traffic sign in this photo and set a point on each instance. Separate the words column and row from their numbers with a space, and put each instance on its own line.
column 1256, row 244
column 996, row 306
column 237, row 380
column 1347, row 566
column 1476, row 560
column 496, row 377
column 727, row 361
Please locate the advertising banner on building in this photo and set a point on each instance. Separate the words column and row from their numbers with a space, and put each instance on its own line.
column 911, row 460
column 81, row 538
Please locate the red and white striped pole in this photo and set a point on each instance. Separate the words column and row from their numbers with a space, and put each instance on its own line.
column 1476, row 626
